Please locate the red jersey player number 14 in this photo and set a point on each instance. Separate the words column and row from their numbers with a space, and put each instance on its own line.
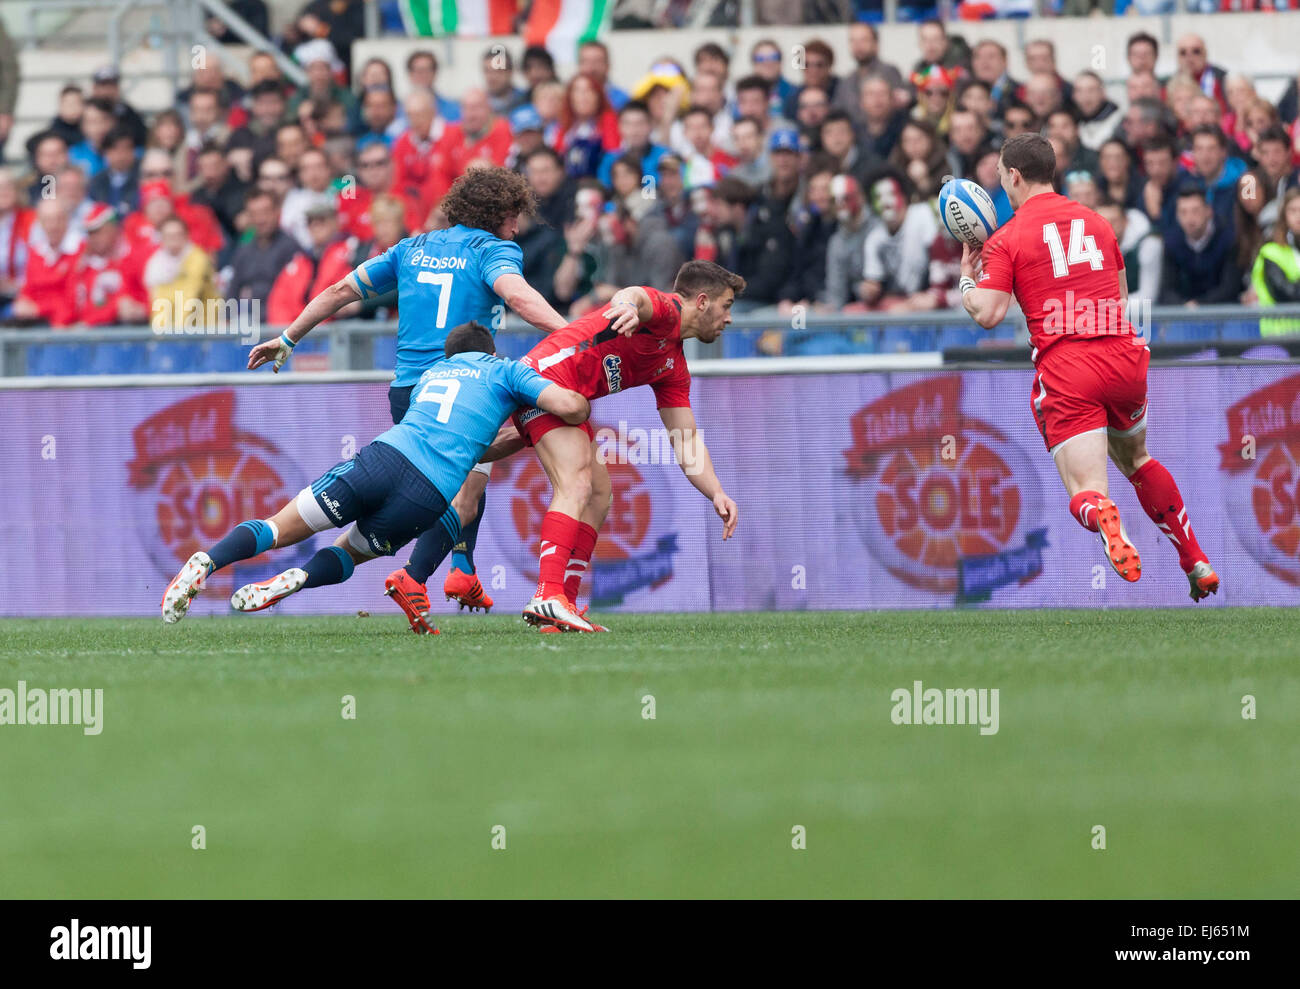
column 1062, row 263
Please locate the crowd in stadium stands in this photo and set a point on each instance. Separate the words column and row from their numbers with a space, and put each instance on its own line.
column 821, row 193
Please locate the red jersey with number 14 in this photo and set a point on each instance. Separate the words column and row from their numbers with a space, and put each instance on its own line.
column 594, row 360
column 1063, row 264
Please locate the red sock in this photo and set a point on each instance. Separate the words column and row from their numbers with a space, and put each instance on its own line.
column 1162, row 502
column 583, row 546
column 1083, row 506
column 559, row 532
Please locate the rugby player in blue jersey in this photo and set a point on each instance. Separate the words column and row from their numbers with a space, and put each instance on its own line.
column 442, row 279
column 400, row 486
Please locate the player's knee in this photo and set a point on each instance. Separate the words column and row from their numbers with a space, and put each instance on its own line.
column 357, row 546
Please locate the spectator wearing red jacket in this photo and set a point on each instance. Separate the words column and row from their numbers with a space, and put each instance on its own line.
column 421, row 170
column 331, row 257
column 478, row 136
column 106, row 284
column 375, row 175
column 51, row 257
column 142, row 226
column 158, row 171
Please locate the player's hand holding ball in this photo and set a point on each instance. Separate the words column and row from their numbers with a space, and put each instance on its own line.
column 967, row 212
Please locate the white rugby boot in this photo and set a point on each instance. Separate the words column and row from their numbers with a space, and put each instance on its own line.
column 255, row 597
column 184, row 586
column 555, row 611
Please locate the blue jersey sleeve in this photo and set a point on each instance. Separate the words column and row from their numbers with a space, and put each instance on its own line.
column 380, row 273
column 504, row 257
column 524, row 383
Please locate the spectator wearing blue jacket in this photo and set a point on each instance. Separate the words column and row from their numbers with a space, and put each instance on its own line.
column 1200, row 264
column 634, row 140
column 767, row 58
column 1214, row 173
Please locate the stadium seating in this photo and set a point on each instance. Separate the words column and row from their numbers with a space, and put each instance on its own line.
column 900, row 46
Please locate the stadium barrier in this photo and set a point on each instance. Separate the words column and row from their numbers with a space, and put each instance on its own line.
column 355, row 345
column 917, row 487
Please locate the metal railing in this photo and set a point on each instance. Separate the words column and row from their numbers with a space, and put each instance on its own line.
column 174, row 26
column 359, row 346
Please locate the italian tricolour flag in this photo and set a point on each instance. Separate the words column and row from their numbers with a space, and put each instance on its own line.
column 471, row 18
column 560, row 25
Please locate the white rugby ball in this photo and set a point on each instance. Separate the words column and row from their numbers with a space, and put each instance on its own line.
column 967, row 211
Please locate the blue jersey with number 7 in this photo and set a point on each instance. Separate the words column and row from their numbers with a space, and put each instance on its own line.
column 443, row 279
column 456, row 409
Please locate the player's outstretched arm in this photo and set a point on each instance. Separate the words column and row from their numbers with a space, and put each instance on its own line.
column 987, row 306
column 527, row 303
column 570, row 406
column 319, row 309
column 629, row 308
column 696, row 463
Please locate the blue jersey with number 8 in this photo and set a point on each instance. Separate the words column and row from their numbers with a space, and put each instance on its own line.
column 457, row 407
column 443, row 279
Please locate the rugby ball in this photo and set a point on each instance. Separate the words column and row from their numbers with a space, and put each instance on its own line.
column 967, row 211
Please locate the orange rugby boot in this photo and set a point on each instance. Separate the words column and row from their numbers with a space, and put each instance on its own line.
column 1121, row 552
column 413, row 599
column 466, row 590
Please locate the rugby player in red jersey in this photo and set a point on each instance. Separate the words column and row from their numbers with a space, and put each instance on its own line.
column 1063, row 264
column 635, row 340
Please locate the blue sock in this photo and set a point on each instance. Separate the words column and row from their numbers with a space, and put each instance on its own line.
column 433, row 546
column 462, row 557
column 243, row 542
column 331, row 565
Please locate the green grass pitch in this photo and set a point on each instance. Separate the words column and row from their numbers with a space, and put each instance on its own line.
column 1131, row 720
